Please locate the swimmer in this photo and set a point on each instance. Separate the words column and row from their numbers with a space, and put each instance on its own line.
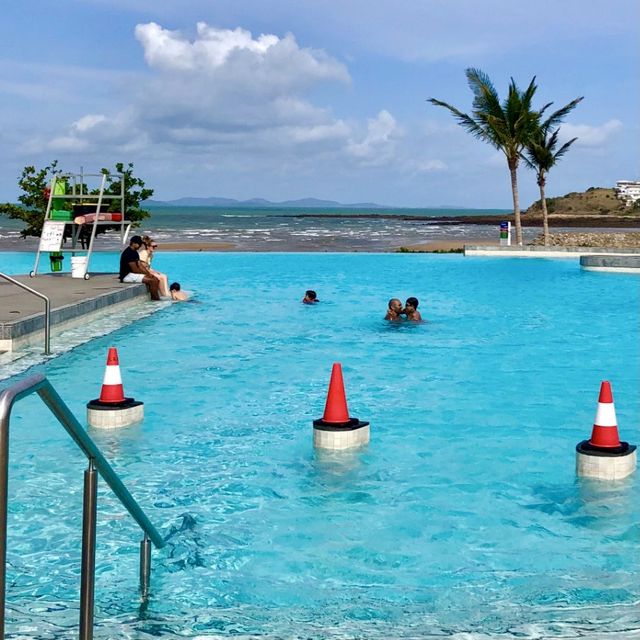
column 176, row 294
column 411, row 310
column 310, row 297
column 395, row 310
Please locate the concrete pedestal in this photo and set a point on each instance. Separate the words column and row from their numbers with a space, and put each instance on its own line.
column 337, row 437
column 124, row 414
column 605, row 465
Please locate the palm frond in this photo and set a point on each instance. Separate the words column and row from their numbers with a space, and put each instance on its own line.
column 485, row 100
column 529, row 92
column 558, row 116
column 544, row 108
column 564, row 148
column 464, row 119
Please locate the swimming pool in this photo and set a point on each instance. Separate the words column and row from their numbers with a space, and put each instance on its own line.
column 463, row 515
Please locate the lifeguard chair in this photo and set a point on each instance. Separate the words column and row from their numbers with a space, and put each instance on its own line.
column 71, row 205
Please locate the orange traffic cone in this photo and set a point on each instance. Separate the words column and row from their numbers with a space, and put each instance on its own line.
column 335, row 409
column 336, row 429
column 605, row 427
column 112, row 391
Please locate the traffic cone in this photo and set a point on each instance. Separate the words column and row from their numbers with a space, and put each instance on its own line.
column 335, row 409
column 605, row 427
column 336, row 429
column 112, row 391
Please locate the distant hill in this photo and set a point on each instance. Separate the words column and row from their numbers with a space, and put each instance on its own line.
column 261, row 202
column 595, row 201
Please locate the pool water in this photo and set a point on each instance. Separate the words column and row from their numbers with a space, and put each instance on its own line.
column 463, row 517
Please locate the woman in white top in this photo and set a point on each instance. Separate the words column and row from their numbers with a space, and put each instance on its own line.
column 146, row 256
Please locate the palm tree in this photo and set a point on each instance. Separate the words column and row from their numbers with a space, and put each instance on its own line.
column 507, row 126
column 541, row 155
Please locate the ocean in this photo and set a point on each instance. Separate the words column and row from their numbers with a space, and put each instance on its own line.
column 293, row 229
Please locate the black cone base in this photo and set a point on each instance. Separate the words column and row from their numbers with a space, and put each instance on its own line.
column 127, row 403
column 352, row 425
column 606, row 452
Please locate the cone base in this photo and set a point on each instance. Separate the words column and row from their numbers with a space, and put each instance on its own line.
column 589, row 449
column 100, row 405
column 351, row 425
column 602, row 465
column 335, row 438
column 103, row 416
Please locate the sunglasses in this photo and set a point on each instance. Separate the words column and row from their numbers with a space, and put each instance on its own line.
column 154, row 246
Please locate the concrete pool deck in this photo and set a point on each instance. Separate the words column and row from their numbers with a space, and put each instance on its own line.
column 613, row 264
column 544, row 252
column 73, row 301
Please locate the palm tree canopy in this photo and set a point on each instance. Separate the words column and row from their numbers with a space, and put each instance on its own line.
column 542, row 154
column 506, row 126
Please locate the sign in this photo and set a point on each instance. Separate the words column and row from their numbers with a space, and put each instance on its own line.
column 51, row 236
column 505, row 233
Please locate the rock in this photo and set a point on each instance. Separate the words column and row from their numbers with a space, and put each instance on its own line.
column 629, row 240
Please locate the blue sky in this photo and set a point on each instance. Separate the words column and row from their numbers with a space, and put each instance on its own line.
column 285, row 100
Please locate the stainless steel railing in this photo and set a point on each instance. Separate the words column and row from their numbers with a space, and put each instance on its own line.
column 39, row 384
column 47, row 310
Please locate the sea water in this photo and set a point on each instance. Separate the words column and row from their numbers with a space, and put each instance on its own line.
column 462, row 518
column 292, row 229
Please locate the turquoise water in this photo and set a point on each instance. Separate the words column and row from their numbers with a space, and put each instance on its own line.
column 462, row 516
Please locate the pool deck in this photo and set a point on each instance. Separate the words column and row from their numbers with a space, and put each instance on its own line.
column 72, row 300
column 613, row 264
column 528, row 251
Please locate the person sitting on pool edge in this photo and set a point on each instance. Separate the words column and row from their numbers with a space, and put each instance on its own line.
column 411, row 310
column 146, row 253
column 176, row 293
column 131, row 269
column 310, row 297
column 395, row 310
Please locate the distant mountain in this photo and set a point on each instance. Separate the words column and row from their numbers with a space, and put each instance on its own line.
column 261, row 202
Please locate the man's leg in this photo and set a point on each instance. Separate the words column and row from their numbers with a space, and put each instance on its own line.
column 153, row 285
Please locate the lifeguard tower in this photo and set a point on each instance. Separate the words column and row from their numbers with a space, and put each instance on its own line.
column 75, row 206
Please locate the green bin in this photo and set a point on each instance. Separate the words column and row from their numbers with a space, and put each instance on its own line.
column 56, row 258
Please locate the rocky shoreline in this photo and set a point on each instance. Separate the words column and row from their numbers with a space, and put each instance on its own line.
column 592, row 221
column 629, row 240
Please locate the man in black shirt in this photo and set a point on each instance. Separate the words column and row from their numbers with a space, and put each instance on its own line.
column 132, row 270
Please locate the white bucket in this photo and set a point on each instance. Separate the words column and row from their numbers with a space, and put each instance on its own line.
column 78, row 266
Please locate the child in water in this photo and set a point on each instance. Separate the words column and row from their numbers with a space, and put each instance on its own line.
column 310, row 297
column 176, row 293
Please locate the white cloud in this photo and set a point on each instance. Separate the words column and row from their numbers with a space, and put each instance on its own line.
column 378, row 145
column 236, row 58
column 94, row 133
column 88, row 122
column 590, row 136
column 233, row 96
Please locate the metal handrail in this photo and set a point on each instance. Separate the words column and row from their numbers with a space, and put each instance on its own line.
column 47, row 310
column 39, row 384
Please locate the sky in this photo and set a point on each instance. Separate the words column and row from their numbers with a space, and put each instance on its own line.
column 328, row 99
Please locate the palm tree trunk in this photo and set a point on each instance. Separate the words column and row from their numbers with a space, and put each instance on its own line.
column 513, row 168
column 545, row 215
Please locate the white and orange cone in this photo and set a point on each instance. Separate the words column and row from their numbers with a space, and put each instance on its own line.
column 112, row 410
column 605, row 425
column 604, row 457
column 112, row 391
